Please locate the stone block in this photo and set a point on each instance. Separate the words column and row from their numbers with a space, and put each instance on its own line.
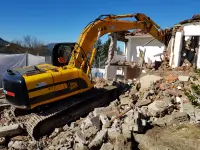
column 183, row 78
column 157, row 108
column 90, row 132
column 107, row 146
column 79, row 146
column 99, row 139
column 126, row 131
column 108, row 111
column 145, row 102
column 79, row 137
column 113, row 133
column 121, row 143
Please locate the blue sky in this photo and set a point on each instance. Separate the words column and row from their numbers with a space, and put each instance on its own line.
column 63, row 20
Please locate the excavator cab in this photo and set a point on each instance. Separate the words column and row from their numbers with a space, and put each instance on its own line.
column 58, row 51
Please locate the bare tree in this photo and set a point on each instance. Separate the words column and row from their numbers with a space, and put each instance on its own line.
column 18, row 42
column 33, row 44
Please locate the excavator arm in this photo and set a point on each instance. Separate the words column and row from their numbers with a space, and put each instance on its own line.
column 106, row 24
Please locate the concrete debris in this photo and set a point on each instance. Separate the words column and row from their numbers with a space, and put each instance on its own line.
column 107, row 146
column 19, row 145
column 90, row 132
column 79, row 137
column 108, row 111
column 91, row 121
column 66, row 127
column 147, row 80
column 126, row 131
column 79, row 146
column 175, row 118
column 158, row 108
column 153, row 101
column 105, row 121
column 99, row 139
column 122, row 143
column 143, row 103
column 55, row 133
column 10, row 130
column 183, row 78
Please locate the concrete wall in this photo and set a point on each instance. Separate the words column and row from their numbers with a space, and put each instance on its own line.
column 136, row 42
column 118, row 57
column 188, row 30
column 96, row 72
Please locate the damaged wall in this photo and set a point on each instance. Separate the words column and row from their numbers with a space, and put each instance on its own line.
column 186, row 30
column 135, row 42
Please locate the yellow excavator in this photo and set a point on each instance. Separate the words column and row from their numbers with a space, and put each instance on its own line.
column 34, row 86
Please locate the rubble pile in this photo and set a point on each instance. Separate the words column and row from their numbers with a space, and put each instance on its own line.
column 118, row 125
column 100, row 82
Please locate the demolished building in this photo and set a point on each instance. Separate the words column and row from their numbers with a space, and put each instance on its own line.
column 182, row 48
column 184, row 43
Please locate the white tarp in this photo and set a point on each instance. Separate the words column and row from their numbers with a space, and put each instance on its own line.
column 9, row 61
column 34, row 60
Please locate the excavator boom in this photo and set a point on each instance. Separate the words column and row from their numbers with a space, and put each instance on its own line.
column 105, row 24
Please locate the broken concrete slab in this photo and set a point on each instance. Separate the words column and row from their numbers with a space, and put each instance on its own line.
column 145, row 102
column 19, row 145
column 125, row 101
column 66, row 127
column 108, row 111
column 105, row 121
column 79, row 146
column 113, row 133
column 99, row 139
column 121, row 143
column 126, row 131
column 144, row 110
column 183, row 78
column 10, row 130
column 157, row 108
column 90, row 132
column 96, row 122
column 146, row 142
column 91, row 121
column 175, row 118
column 147, row 80
column 79, row 137
column 107, row 146
column 178, row 117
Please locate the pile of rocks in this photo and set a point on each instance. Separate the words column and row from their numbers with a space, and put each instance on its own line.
column 114, row 126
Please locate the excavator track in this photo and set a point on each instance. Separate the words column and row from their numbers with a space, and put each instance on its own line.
column 63, row 112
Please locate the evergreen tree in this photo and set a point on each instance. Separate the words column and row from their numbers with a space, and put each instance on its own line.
column 97, row 55
column 104, row 52
column 119, row 51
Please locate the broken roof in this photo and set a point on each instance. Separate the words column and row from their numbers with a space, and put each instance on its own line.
column 195, row 18
column 137, row 32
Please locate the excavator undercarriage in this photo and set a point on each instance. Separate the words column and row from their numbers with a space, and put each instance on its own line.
column 43, row 120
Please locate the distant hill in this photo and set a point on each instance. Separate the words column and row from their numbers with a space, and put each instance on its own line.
column 3, row 42
column 13, row 48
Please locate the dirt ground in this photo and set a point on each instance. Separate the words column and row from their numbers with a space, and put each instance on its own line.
column 179, row 137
